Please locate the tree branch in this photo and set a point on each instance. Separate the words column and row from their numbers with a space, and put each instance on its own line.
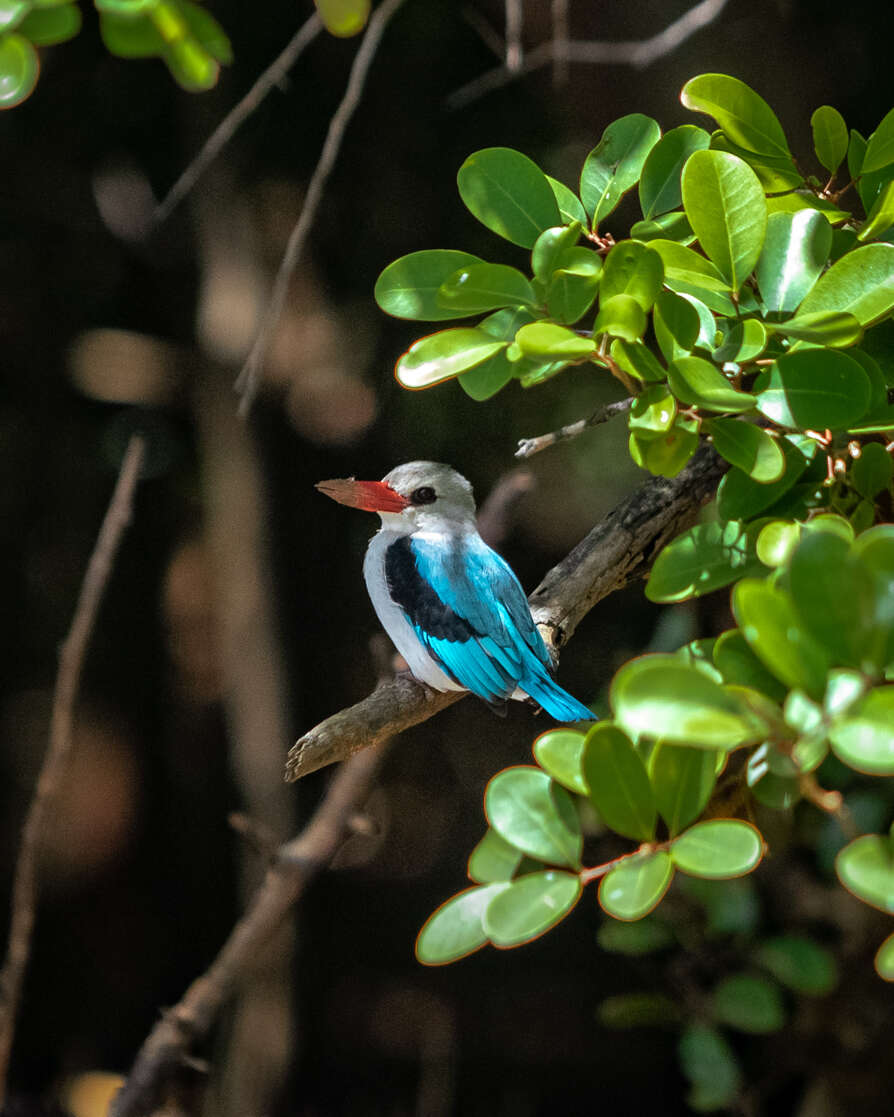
column 296, row 864
column 71, row 663
column 247, row 381
column 617, row 551
column 527, row 447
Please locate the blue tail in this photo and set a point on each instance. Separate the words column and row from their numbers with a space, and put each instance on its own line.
column 558, row 703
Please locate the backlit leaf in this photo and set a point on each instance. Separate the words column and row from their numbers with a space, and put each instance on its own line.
column 864, row 737
column 632, row 269
column 742, row 114
column 439, row 356
column 880, row 149
column 700, row 383
column 776, row 634
column 493, row 859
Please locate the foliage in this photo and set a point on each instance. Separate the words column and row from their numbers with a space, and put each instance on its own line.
column 750, row 307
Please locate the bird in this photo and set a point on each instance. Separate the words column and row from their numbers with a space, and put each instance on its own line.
column 452, row 606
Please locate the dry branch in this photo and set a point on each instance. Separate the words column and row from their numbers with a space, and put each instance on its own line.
column 71, row 663
column 616, row 552
column 527, row 447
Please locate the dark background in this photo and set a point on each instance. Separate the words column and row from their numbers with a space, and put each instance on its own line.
column 107, row 326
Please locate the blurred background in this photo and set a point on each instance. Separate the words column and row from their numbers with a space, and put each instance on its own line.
column 236, row 617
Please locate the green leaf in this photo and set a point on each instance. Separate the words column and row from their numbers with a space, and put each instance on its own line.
column 653, row 412
column 866, row 868
column 777, row 541
column 800, row 964
column 659, row 187
column 480, row 287
column 799, row 200
column 493, row 859
column 688, row 273
column 833, row 328
column 408, row 288
column 207, row 31
column 775, row 173
column 795, row 252
column 129, row 9
column 637, row 1010
column 509, row 194
column 18, row 69
column 191, row 66
column 739, row 666
column 618, row 785
column 743, row 115
column 830, row 138
column 682, row 782
column 718, row 849
column 701, row 559
column 12, row 12
column 343, row 17
column 672, row 226
column 636, row 886
column 572, row 288
column 553, row 247
column 660, row 696
column 700, row 383
column 813, row 389
column 884, row 959
column 127, row 37
column 642, row 937
column 439, row 356
column 560, row 753
column 861, row 282
column 637, row 361
column 546, row 339
column 530, row 905
column 864, row 738
column 744, row 445
column 665, row 455
column 881, row 216
column 749, row 1004
column 708, row 1062
column 739, row 497
column 870, row 474
column 486, row 379
column 455, row 929
column 632, row 269
column 676, row 324
column 776, row 635
column 744, row 340
column 620, row 316
column 880, row 149
column 614, row 166
column 568, row 202
column 535, row 815
column 44, row 27
column 726, row 208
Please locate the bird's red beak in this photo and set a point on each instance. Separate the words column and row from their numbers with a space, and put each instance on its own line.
column 370, row 496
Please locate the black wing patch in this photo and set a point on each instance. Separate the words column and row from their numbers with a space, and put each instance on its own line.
column 424, row 609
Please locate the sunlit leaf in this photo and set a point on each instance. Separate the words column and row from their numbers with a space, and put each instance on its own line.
column 866, row 868
column 795, row 252
column 493, row 859
column 659, row 187
column 742, row 114
column 439, row 356
column 530, row 905
column 701, row 559
column 830, row 138
column 509, row 194
column 744, row 445
column 476, row 288
column 861, row 282
column 560, row 753
column 880, row 149
column 632, row 269
column 18, row 69
column 614, row 166
column 408, row 288
column 813, row 389
column 455, row 929
column 535, row 815
column 700, row 383
column 636, row 886
column 718, row 849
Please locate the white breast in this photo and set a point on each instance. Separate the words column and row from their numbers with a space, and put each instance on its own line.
column 393, row 620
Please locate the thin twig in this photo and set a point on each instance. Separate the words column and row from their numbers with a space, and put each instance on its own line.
column 297, row 863
column 224, row 132
column 618, row 551
column 71, row 663
column 490, row 37
column 637, row 52
column 530, row 446
column 247, row 381
column 514, row 51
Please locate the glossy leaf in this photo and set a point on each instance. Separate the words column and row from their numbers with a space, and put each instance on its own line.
column 861, row 282
column 530, row 905
column 795, row 252
column 676, row 324
column 493, row 859
column 866, row 868
column 130, row 9
column 800, row 964
column 813, row 389
column 130, row 38
column 560, row 753
column 672, row 226
column 744, row 340
column 546, row 339
column 701, row 559
column 12, row 12
column 682, row 782
column 709, row 1063
column 718, row 849
column 19, row 68
column 614, row 166
column 775, row 173
column 439, row 356
column 835, row 329
column 485, row 380
column 666, row 454
column 662, row 697
column 552, row 248
column 475, row 288
column 456, row 929
column 659, row 187
column 725, row 205
column 568, row 202
column 880, row 149
column 509, row 194
column 744, row 445
column 637, row 361
column 700, row 383
column 618, row 784
column 572, row 288
column 830, row 138
column 748, row 1003
column 864, row 738
column 777, row 541
column 620, row 316
column 535, row 815
column 742, row 114
column 881, row 216
column 884, row 959
column 44, row 27
column 632, row 269
column 686, row 272
column 343, row 17
column 408, row 288
column 741, row 497
column 636, row 886
column 653, row 411
column 775, row 633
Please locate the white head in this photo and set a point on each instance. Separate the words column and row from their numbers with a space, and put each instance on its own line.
column 417, row 496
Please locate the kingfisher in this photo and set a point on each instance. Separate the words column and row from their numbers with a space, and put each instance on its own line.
column 452, row 606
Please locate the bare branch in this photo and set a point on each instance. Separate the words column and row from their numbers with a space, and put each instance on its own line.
column 527, row 447
column 296, row 864
column 491, row 38
column 514, row 52
column 224, row 132
column 637, row 52
column 247, row 381
column 616, row 552
column 71, row 663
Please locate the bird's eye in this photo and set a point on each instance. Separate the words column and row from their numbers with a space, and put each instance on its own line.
column 424, row 495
